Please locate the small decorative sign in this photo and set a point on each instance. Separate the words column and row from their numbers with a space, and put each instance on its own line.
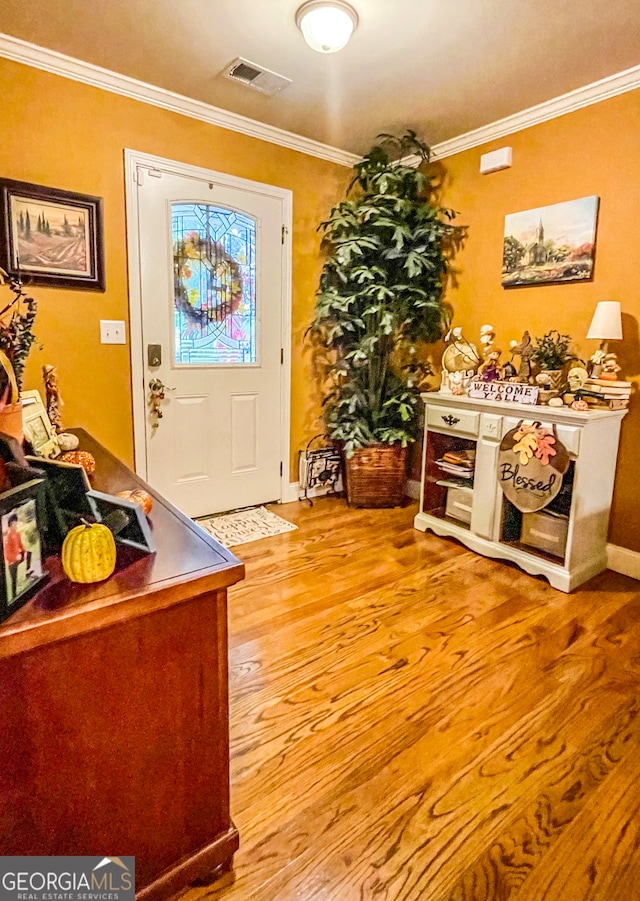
column 319, row 468
column 512, row 392
column 531, row 464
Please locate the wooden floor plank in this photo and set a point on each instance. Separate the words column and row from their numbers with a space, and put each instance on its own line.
column 410, row 721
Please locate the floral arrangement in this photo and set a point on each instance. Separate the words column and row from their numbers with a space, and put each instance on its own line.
column 552, row 351
column 16, row 329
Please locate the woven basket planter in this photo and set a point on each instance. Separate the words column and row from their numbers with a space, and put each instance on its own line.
column 376, row 476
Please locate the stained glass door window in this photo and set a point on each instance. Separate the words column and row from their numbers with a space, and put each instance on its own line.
column 214, row 261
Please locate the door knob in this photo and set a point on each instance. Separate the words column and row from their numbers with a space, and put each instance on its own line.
column 157, row 391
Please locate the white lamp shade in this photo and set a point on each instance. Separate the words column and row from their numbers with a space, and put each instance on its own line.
column 607, row 321
column 326, row 25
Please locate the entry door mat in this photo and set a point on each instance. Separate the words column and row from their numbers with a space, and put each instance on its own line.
column 232, row 529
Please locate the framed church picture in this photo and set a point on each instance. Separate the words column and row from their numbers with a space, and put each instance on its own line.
column 550, row 244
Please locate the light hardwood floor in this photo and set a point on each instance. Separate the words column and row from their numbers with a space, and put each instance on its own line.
column 412, row 722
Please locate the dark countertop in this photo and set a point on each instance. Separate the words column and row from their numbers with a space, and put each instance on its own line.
column 188, row 562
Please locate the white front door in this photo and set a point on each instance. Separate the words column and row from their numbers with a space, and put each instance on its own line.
column 210, row 256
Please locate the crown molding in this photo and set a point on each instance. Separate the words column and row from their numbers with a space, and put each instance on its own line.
column 68, row 67
column 611, row 86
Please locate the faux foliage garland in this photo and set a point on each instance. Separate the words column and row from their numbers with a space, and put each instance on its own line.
column 16, row 326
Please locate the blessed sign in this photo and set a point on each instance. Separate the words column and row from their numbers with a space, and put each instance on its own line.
column 514, row 392
column 529, row 488
column 531, row 463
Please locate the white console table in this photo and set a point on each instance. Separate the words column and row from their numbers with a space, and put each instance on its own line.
column 494, row 527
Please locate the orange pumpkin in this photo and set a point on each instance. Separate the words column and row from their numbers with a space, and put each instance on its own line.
column 138, row 496
column 83, row 458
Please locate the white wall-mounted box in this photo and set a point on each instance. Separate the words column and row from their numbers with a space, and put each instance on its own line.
column 496, row 160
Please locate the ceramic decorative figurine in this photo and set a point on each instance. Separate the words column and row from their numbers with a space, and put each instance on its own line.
column 54, row 402
column 547, row 392
column 525, row 351
column 577, row 377
column 458, row 382
column 610, row 368
column 68, row 442
column 509, row 372
column 491, row 369
column 595, row 363
column 460, row 361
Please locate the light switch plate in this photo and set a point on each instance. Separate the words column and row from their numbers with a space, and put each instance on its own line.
column 113, row 331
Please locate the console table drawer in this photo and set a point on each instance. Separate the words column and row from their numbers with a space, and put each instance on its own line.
column 452, row 421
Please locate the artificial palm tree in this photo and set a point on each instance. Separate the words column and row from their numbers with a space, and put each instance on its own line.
column 388, row 245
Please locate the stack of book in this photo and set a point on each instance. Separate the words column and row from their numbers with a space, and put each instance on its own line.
column 458, row 463
column 610, row 393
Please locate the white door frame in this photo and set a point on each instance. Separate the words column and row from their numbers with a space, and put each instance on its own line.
column 134, row 159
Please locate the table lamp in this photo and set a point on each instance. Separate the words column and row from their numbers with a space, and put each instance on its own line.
column 606, row 326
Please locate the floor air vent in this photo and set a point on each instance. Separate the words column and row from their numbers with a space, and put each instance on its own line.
column 255, row 76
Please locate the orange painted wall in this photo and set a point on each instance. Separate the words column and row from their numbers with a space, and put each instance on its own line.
column 64, row 134
column 67, row 135
column 595, row 150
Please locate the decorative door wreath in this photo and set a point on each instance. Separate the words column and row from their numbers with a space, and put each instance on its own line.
column 531, row 464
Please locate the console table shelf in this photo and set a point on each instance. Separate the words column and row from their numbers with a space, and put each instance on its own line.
column 484, row 520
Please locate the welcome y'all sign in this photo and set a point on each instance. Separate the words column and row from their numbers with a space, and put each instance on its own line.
column 514, row 392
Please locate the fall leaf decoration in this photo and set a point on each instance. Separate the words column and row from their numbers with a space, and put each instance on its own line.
column 534, row 440
column 545, row 448
column 525, row 446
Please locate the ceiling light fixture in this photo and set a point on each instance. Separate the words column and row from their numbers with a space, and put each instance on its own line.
column 326, row 25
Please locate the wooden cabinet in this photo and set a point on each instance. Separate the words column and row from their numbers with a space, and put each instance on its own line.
column 567, row 542
column 114, row 707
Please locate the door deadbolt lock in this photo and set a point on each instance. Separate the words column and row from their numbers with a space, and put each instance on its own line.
column 154, row 354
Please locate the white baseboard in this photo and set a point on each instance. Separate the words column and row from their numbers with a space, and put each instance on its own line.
column 622, row 560
column 291, row 493
column 295, row 493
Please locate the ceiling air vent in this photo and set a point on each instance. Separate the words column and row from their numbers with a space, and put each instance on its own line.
column 255, row 76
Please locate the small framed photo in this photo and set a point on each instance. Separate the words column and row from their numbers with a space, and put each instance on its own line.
column 23, row 571
column 66, row 486
column 124, row 518
column 37, row 427
column 51, row 236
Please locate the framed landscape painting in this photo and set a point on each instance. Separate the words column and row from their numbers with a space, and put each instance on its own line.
column 550, row 244
column 51, row 237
